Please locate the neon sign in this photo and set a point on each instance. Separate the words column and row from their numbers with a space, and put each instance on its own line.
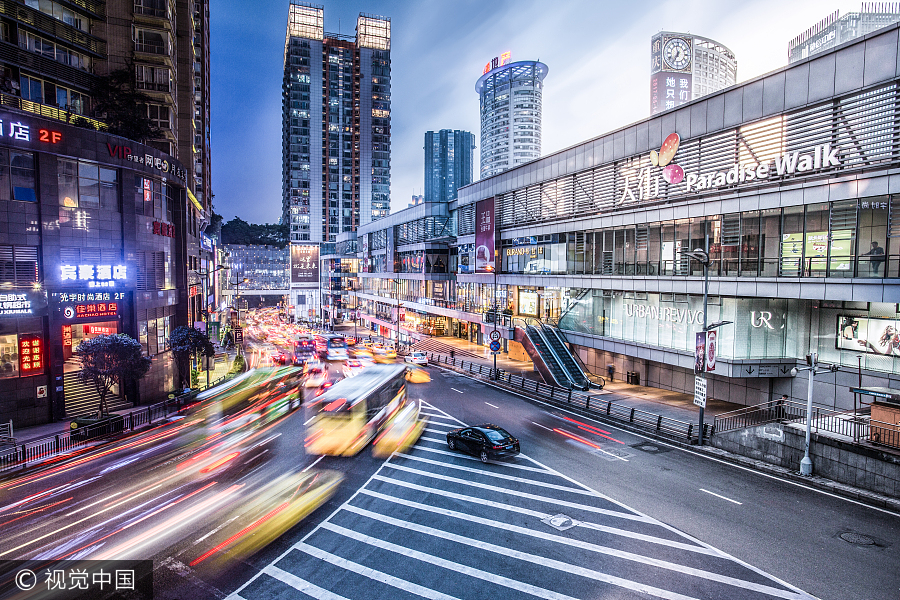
column 94, row 275
column 497, row 61
column 30, row 354
column 163, row 229
column 15, row 304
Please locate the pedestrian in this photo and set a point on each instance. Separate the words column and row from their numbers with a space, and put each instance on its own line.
column 781, row 407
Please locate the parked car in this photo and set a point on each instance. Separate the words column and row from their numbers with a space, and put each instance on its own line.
column 484, row 441
column 416, row 357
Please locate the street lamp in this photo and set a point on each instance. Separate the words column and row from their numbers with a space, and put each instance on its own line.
column 702, row 256
column 205, row 274
column 812, row 365
column 236, row 306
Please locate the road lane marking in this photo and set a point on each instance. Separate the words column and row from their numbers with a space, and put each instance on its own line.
column 494, row 405
column 718, row 496
column 453, row 566
column 554, row 564
column 489, row 473
column 467, row 457
column 505, row 581
column 456, row 390
column 537, row 514
column 301, row 585
column 541, row 426
column 343, row 563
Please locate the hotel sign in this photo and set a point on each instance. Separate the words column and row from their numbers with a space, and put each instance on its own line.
column 95, row 276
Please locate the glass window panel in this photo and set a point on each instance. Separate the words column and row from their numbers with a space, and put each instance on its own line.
column 22, row 176
column 4, row 174
column 815, row 247
column 873, row 229
column 769, row 241
column 9, row 356
column 792, row 241
column 749, row 246
column 682, row 244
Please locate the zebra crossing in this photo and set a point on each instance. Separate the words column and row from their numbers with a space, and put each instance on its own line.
column 439, row 524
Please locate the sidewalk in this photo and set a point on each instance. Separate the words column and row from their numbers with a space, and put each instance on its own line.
column 670, row 404
column 28, row 434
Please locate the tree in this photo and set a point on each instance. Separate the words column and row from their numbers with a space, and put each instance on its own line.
column 238, row 231
column 110, row 359
column 118, row 103
column 186, row 342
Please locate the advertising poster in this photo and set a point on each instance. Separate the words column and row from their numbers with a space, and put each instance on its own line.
column 304, row 263
column 364, row 248
column 873, row 336
column 484, row 236
column 710, row 351
column 700, row 353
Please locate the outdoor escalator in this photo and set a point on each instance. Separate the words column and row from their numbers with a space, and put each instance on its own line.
column 547, row 359
column 565, row 357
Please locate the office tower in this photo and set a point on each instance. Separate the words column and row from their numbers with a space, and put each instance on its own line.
column 417, row 199
column 448, row 163
column 684, row 67
column 834, row 29
column 510, row 101
column 336, row 125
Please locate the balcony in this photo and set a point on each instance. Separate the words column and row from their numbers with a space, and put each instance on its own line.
column 50, row 112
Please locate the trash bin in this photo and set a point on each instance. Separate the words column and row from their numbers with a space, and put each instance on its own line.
column 633, row 378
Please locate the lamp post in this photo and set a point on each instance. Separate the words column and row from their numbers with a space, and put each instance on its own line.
column 812, row 365
column 206, row 274
column 702, row 256
column 236, row 306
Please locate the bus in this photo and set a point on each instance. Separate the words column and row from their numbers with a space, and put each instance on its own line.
column 304, row 349
column 354, row 410
column 331, row 346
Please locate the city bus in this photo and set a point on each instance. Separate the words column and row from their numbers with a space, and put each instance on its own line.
column 354, row 410
column 331, row 346
column 303, row 350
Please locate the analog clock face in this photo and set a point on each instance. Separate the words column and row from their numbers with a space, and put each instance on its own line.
column 677, row 53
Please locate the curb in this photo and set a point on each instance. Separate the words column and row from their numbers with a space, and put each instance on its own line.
column 820, row 483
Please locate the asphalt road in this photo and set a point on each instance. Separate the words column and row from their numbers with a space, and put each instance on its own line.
column 636, row 518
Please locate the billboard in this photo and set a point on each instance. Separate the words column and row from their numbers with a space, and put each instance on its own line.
column 705, row 352
column 484, row 236
column 304, row 263
column 873, row 336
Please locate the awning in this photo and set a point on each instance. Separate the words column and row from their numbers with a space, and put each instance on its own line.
column 882, row 393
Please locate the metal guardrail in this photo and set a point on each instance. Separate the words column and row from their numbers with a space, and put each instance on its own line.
column 21, row 455
column 886, row 434
column 660, row 424
column 823, row 420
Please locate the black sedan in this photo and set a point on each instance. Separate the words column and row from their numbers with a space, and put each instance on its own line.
column 485, row 441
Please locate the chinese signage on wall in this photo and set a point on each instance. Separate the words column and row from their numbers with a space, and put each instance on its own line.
column 95, row 276
column 160, row 164
column 163, row 229
column 304, row 263
column 87, row 305
column 21, row 303
column 497, row 61
column 671, row 72
column 30, row 354
column 484, row 236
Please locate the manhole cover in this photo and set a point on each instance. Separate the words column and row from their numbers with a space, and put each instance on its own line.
column 560, row 522
column 650, row 448
column 857, row 538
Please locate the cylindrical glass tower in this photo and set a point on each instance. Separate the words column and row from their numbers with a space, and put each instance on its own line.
column 510, row 100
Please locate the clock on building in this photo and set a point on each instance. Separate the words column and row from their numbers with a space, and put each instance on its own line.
column 677, row 54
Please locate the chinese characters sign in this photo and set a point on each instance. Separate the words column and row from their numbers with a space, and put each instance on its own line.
column 88, row 305
column 163, row 229
column 15, row 304
column 484, row 236
column 94, row 275
column 497, row 61
column 668, row 90
column 304, row 263
column 31, row 354
column 160, row 164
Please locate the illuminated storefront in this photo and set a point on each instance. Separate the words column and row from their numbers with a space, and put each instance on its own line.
column 95, row 245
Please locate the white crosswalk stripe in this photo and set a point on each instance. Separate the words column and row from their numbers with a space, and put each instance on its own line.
column 428, row 522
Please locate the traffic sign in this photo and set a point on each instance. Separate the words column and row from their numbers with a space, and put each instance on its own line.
column 495, row 335
column 700, row 391
column 495, row 346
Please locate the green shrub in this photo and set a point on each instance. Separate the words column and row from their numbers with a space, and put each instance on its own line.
column 237, row 365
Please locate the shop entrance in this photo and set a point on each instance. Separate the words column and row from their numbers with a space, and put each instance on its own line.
column 81, row 397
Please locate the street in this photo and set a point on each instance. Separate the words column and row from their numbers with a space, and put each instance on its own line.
column 585, row 511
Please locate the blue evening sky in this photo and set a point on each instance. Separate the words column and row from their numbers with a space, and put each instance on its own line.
column 598, row 54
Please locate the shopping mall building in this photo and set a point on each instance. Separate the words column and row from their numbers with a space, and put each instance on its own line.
column 97, row 234
column 792, row 176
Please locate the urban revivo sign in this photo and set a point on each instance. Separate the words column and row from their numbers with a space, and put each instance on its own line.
column 657, row 313
column 645, row 185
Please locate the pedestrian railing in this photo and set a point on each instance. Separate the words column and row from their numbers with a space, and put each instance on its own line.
column 22, row 455
column 842, row 423
column 886, row 434
column 6, row 434
column 600, row 407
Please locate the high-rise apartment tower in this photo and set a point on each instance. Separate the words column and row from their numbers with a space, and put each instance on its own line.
column 684, row 67
column 834, row 29
column 336, row 128
column 510, row 100
column 448, row 163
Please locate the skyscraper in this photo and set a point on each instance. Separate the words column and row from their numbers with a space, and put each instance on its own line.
column 336, row 125
column 834, row 29
column 510, row 100
column 448, row 163
column 684, row 67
